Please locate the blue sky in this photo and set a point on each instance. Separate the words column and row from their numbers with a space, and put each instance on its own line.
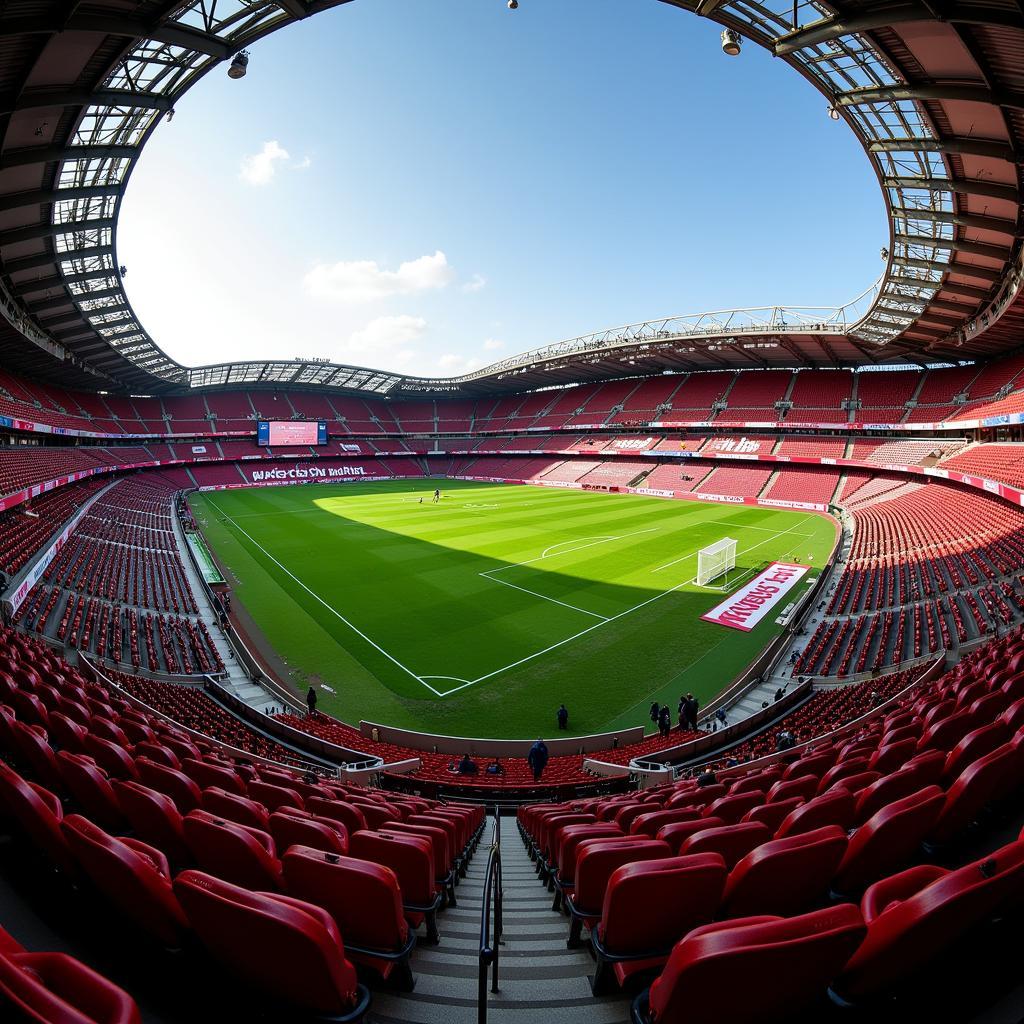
column 427, row 187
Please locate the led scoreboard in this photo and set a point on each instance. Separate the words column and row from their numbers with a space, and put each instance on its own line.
column 291, row 433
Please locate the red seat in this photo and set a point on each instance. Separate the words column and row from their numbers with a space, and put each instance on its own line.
column 892, row 757
column 675, row 894
column 649, row 823
column 115, row 761
column 785, row 876
column 814, row 764
column 1012, row 717
column 916, row 915
column 846, row 767
column 339, row 810
column 699, row 796
column 977, row 743
column 835, row 807
column 283, row 948
column 154, row 819
column 773, row 815
column 32, row 751
column 985, row 781
column 316, row 833
column 53, row 988
column 411, row 858
column 91, row 789
column 206, row 775
column 733, row 806
column 733, row 842
column 159, row 753
column 853, row 784
column 888, row 839
column 67, row 734
column 38, row 814
column 675, row 833
column 235, row 808
column 365, row 901
column 753, row 969
column 569, row 842
column 595, row 862
column 132, row 876
column 896, row 785
column 272, row 797
column 239, row 854
column 804, row 788
column 186, row 795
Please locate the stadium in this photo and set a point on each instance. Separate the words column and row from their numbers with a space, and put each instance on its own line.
column 586, row 683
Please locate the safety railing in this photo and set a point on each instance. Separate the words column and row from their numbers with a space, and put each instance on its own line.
column 490, row 921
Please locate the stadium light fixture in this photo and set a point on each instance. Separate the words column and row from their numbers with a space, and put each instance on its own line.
column 833, row 113
column 239, row 64
column 731, row 42
column 513, row 5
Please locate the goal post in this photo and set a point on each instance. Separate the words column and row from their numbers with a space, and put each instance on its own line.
column 715, row 560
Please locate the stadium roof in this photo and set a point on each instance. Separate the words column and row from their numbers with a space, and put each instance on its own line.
column 935, row 94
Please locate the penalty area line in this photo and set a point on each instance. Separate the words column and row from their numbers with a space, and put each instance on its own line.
column 334, row 611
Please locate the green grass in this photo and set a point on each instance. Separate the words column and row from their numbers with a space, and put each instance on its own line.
column 530, row 595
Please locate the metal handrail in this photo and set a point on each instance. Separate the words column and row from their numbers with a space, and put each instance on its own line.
column 489, row 924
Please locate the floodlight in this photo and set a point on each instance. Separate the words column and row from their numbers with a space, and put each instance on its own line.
column 239, row 65
column 731, row 42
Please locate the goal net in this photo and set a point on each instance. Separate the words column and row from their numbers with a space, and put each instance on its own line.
column 715, row 560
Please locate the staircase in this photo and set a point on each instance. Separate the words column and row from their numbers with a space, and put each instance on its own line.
column 540, row 981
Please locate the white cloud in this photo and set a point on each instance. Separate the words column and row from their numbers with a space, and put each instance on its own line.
column 475, row 283
column 386, row 334
column 301, row 165
column 260, row 168
column 364, row 281
column 493, row 345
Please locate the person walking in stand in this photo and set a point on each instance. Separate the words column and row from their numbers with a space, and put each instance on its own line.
column 655, row 713
column 537, row 759
column 563, row 717
column 311, row 701
column 665, row 721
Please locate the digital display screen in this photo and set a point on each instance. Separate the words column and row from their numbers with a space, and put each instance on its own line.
column 287, row 433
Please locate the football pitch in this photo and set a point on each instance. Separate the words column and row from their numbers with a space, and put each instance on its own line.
column 479, row 614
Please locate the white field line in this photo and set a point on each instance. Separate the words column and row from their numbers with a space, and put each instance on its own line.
column 591, row 542
column 333, row 611
column 553, row 600
column 598, row 625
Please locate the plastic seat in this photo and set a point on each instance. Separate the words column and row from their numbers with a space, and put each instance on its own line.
column 773, row 815
column 804, row 787
column 365, row 901
column 154, row 819
column 675, row 833
column 785, row 876
column 32, row 751
column 752, row 969
column 595, row 862
column 977, row 743
column 316, row 833
column 411, row 858
column 115, row 761
column 853, row 784
column 846, row 767
column 159, row 753
column 132, row 876
column 675, row 894
column 186, row 795
column 278, row 946
column 985, row 781
column 733, row 842
column 91, row 789
column 892, row 757
column 38, row 814
column 339, row 810
column 697, row 797
column 649, row 823
column 733, row 806
column 835, row 807
column 273, row 797
column 897, row 785
column 914, row 916
column 67, row 734
column 206, row 776
column 239, row 854
column 888, row 839
column 54, row 988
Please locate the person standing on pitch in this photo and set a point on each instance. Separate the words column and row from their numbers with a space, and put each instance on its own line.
column 311, row 701
column 437, row 495
column 563, row 717
column 537, row 759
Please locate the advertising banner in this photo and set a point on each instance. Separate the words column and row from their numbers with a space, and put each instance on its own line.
column 755, row 600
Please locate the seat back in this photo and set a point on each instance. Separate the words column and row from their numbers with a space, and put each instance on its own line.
column 177, row 785
column 90, row 788
column 733, row 842
column 598, row 858
column 410, row 857
column 804, row 787
column 650, row 905
column 236, row 853
column 888, row 839
column 206, row 774
column 647, row 824
column 338, row 810
column 785, row 876
column 235, row 808
column 272, row 796
column 38, row 814
column 675, row 833
column 763, row 969
column 774, row 814
column 316, row 833
column 130, row 876
column 154, row 819
column 731, row 807
column 363, row 898
column 569, row 843
column 836, row 807
column 283, row 947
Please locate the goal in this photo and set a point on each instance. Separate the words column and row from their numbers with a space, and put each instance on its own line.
column 715, row 560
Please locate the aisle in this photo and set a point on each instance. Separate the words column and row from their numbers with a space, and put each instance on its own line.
column 540, row 980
